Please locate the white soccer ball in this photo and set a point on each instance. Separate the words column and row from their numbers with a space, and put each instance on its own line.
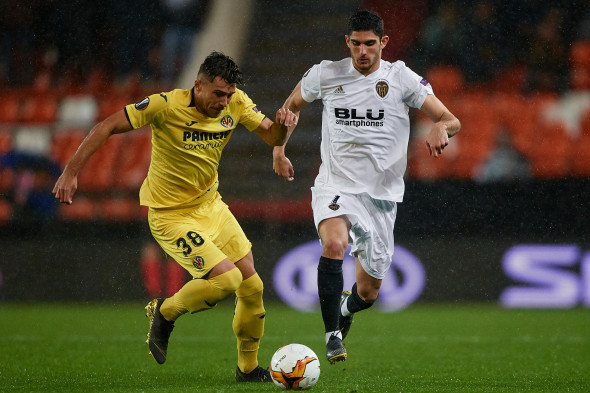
column 295, row 367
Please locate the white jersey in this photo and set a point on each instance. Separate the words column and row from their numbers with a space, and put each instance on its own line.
column 365, row 125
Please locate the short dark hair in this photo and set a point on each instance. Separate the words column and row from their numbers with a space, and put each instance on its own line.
column 219, row 65
column 364, row 20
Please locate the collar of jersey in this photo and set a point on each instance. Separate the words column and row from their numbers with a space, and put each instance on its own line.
column 192, row 103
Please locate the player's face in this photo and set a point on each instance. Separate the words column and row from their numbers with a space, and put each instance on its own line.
column 212, row 97
column 365, row 50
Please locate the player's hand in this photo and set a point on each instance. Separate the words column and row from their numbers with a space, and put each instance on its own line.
column 437, row 139
column 286, row 117
column 65, row 188
column 283, row 167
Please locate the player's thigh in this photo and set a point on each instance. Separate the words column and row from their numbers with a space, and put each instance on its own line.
column 187, row 240
column 229, row 235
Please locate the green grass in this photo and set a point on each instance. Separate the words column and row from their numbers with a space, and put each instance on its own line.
column 426, row 348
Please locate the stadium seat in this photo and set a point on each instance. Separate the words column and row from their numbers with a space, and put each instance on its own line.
column 78, row 110
column 421, row 166
column 82, row 208
column 10, row 108
column 580, row 69
column 39, row 109
column 132, row 166
column 5, row 211
column 512, row 80
column 580, row 154
column 111, row 104
column 518, row 117
column 446, row 81
column 6, row 179
column 64, row 144
column 5, row 139
column 580, row 157
column 474, row 145
column 120, row 209
column 549, row 152
column 98, row 174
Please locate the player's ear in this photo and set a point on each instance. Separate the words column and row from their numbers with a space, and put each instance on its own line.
column 347, row 38
column 198, row 84
column 384, row 41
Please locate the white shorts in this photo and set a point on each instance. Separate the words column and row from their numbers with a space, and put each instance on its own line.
column 372, row 220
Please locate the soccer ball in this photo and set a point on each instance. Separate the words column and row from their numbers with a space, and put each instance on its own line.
column 295, row 367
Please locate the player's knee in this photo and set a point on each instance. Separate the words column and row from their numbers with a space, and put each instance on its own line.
column 227, row 282
column 253, row 285
column 368, row 295
column 334, row 248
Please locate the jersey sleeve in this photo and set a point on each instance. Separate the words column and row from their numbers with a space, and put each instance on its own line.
column 414, row 87
column 250, row 116
column 150, row 110
column 310, row 84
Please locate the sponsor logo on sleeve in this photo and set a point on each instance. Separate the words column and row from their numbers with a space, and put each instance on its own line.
column 141, row 105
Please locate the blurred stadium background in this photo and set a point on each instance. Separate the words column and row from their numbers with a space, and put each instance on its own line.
column 501, row 217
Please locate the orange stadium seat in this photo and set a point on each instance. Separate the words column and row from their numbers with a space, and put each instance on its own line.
column 580, row 70
column 120, row 209
column 10, row 108
column 518, row 117
column 99, row 172
column 580, row 53
column 40, row 109
column 132, row 166
column 421, row 166
column 5, row 211
column 65, row 143
column 580, row 156
column 549, row 154
column 82, row 208
column 475, row 143
column 6, row 179
column 5, row 140
column 446, row 81
column 512, row 79
column 111, row 104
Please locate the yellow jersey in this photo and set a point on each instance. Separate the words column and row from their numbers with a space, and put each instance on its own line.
column 186, row 145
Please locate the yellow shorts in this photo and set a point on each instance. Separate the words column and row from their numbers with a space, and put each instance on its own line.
column 200, row 237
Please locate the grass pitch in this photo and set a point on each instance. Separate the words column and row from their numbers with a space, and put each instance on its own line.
column 426, row 348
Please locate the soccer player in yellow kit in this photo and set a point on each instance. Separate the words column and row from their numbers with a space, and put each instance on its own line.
column 186, row 215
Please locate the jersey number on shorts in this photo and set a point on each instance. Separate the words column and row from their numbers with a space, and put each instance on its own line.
column 194, row 238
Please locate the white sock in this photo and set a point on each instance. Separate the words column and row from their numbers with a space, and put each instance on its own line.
column 334, row 333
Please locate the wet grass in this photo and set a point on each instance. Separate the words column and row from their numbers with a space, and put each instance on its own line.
column 426, row 348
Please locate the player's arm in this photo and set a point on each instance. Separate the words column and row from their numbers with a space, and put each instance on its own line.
column 275, row 133
column 67, row 184
column 280, row 163
column 445, row 126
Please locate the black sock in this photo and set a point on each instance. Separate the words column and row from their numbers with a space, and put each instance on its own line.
column 330, row 283
column 355, row 303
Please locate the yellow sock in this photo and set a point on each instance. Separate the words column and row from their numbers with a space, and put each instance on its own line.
column 248, row 323
column 199, row 294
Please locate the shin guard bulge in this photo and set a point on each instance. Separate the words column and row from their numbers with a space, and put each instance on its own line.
column 248, row 323
column 201, row 294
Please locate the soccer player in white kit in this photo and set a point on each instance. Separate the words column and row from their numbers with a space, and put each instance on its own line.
column 365, row 134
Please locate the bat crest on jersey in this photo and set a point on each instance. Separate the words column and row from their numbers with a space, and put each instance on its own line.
column 227, row 121
column 199, row 262
column 382, row 88
column 334, row 204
